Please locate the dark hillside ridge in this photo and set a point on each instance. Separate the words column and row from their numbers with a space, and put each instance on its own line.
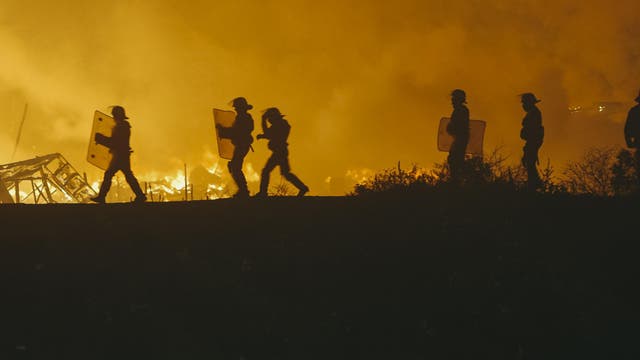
column 443, row 276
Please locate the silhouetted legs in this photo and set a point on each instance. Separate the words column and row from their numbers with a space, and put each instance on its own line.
column 280, row 158
column 456, row 158
column 235, row 168
column 530, row 162
column 120, row 164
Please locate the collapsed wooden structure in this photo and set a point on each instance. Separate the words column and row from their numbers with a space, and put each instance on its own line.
column 43, row 179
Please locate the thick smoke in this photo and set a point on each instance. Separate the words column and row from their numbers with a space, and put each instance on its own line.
column 363, row 83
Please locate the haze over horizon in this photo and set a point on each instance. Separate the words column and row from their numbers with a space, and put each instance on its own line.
column 362, row 83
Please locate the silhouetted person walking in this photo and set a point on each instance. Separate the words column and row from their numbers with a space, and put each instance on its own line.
column 277, row 134
column 118, row 145
column 532, row 133
column 458, row 128
column 240, row 135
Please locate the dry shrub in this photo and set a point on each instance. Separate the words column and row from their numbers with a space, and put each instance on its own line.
column 489, row 171
column 591, row 174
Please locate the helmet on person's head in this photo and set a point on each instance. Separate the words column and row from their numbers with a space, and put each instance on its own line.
column 241, row 103
column 273, row 113
column 460, row 95
column 529, row 98
column 118, row 112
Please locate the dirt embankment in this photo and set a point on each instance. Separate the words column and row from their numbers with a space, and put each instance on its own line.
column 438, row 276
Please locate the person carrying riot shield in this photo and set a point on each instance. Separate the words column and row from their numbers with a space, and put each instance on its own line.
column 118, row 145
column 240, row 135
column 458, row 128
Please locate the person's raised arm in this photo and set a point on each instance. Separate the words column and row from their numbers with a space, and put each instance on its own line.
column 265, row 128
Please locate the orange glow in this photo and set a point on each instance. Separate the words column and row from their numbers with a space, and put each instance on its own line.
column 177, row 182
column 363, row 83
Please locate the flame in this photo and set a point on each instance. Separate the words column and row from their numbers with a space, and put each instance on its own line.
column 215, row 169
column 176, row 182
column 23, row 195
column 170, row 186
column 251, row 174
column 359, row 175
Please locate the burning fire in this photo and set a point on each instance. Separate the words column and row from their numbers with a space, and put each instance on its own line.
column 177, row 182
column 250, row 173
column 23, row 195
column 359, row 175
column 202, row 183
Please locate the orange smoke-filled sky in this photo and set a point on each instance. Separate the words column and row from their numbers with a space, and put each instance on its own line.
column 363, row 83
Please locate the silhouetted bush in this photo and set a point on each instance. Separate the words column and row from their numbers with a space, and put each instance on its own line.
column 550, row 186
column 397, row 180
column 477, row 172
column 625, row 174
column 608, row 171
column 592, row 173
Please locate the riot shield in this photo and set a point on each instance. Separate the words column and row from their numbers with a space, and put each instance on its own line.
column 476, row 136
column 98, row 154
column 224, row 118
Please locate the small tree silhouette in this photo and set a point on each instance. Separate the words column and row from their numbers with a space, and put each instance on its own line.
column 548, row 184
column 281, row 189
column 592, row 174
column 626, row 174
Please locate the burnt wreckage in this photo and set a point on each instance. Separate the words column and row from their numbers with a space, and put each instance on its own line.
column 43, row 179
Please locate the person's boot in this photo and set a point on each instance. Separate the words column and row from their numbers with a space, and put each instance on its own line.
column 303, row 191
column 98, row 199
column 103, row 191
column 302, row 188
column 241, row 194
column 135, row 187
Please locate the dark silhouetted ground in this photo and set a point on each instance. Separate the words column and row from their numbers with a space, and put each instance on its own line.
column 441, row 276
